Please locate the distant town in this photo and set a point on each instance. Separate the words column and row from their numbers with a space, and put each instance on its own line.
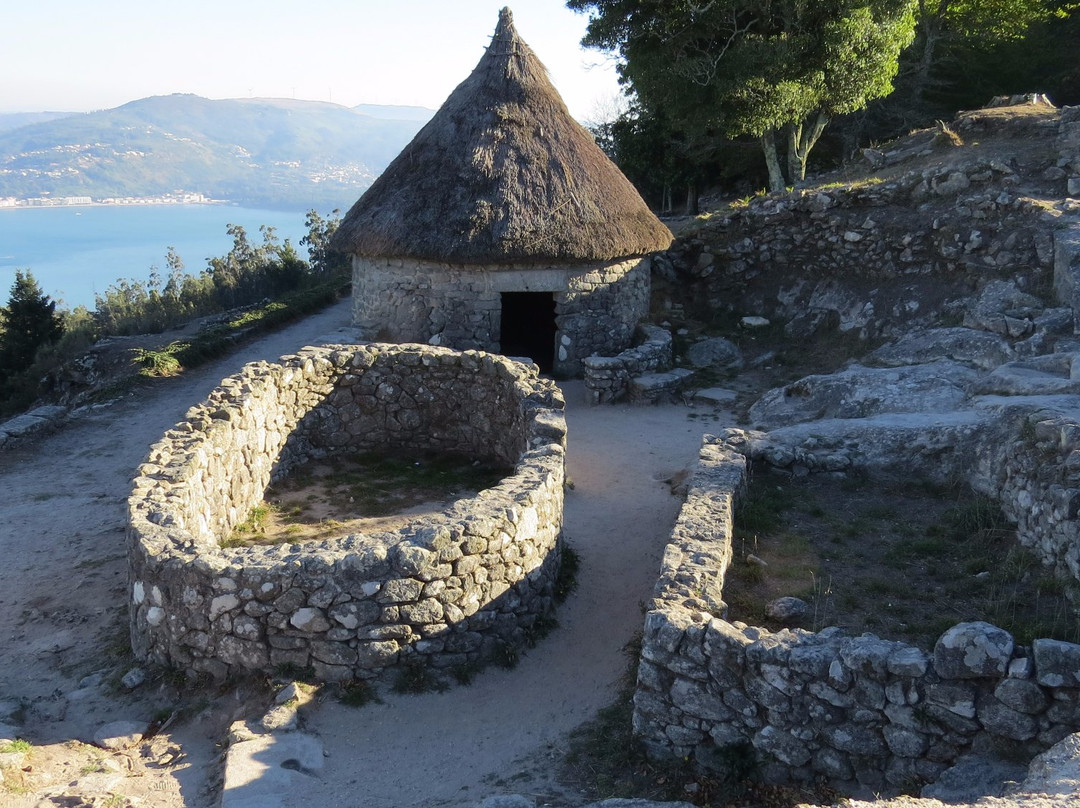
column 176, row 198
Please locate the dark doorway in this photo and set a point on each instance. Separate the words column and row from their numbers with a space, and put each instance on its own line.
column 528, row 327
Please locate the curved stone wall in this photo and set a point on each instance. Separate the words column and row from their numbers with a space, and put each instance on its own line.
column 861, row 712
column 447, row 590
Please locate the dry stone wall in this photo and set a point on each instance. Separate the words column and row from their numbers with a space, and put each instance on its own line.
column 607, row 378
column 862, row 712
column 448, row 590
column 597, row 306
column 887, row 254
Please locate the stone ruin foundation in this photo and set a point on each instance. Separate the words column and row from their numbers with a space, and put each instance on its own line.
column 447, row 590
column 865, row 713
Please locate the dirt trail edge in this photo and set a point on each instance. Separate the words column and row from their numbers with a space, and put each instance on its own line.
column 63, row 599
column 501, row 733
column 63, row 621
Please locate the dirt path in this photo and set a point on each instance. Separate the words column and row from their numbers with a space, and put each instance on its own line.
column 63, row 583
column 63, row 619
column 497, row 734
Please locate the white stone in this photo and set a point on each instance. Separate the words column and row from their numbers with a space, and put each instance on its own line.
column 754, row 321
column 118, row 735
column 222, row 604
column 309, row 619
column 133, row 678
column 155, row 616
column 138, row 593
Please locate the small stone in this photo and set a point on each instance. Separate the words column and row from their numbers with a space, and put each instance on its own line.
column 280, row 718
column 754, row 321
column 133, row 678
column 118, row 735
column 787, row 609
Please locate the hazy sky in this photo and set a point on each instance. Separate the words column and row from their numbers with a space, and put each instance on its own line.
column 79, row 55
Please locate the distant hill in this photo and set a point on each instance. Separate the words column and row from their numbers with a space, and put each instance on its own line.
column 257, row 151
column 395, row 113
column 13, row 120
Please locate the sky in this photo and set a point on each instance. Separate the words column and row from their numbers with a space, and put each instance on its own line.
column 82, row 55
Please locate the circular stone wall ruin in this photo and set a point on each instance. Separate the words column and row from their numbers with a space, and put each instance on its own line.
column 445, row 590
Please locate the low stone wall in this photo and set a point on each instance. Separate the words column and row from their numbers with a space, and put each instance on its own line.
column 444, row 591
column 858, row 711
column 607, row 378
column 1032, row 468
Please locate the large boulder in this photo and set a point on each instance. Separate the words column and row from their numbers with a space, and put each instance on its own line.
column 715, row 352
column 1004, row 309
column 860, row 392
column 1039, row 376
column 977, row 349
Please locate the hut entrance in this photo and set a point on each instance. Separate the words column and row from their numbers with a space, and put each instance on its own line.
column 528, row 327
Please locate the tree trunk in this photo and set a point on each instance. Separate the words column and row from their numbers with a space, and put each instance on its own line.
column 801, row 139
column 772, row 160
column 692, row 200
column 930, row 21
column 796, row 166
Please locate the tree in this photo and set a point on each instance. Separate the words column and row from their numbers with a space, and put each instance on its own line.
column 325, row 263
column 986, row 23
column 778, row 70
column 30, row 322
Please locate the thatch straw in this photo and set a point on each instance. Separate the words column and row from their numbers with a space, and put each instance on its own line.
column 502, row 173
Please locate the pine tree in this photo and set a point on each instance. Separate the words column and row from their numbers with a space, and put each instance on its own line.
column 29, row 322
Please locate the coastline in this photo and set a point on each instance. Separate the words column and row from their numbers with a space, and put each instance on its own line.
column 125, row 202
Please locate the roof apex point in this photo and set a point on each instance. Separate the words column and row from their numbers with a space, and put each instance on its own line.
column 506, row 24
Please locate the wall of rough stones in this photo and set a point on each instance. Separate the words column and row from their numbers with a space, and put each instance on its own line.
column 597, row 306
column 447, row 590
column 1032, row 467
column 862, row 712
column 881, row 256
column 607, row 378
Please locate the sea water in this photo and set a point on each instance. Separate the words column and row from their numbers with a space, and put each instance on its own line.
column 77, row 252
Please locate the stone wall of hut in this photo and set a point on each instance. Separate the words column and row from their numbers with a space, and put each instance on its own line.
column 597, row 306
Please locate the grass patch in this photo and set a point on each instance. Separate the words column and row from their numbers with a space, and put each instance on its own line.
column 217, row 340
column 567, row 579
column 415, row 677
column 17, row 746
column 907, row 561
column 357, row 693
column 330, row 497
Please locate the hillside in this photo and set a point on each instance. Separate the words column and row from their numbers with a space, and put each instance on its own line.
column 252, row 151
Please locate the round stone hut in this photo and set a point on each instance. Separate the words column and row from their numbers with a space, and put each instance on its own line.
column 503, row 227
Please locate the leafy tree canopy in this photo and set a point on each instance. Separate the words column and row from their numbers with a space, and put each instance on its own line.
column 754, row 67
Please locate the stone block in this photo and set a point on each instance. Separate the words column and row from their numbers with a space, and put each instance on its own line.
column 1057, row 663
column 1022, row 695
column 973, row 650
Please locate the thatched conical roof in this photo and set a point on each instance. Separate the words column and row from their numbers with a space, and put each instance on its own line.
column 502, row 173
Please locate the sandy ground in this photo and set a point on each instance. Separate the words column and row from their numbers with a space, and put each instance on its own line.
column 63, row 621
column 497, row 735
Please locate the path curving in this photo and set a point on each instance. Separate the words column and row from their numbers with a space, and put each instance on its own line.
column 496, row 735
column 63, row 588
